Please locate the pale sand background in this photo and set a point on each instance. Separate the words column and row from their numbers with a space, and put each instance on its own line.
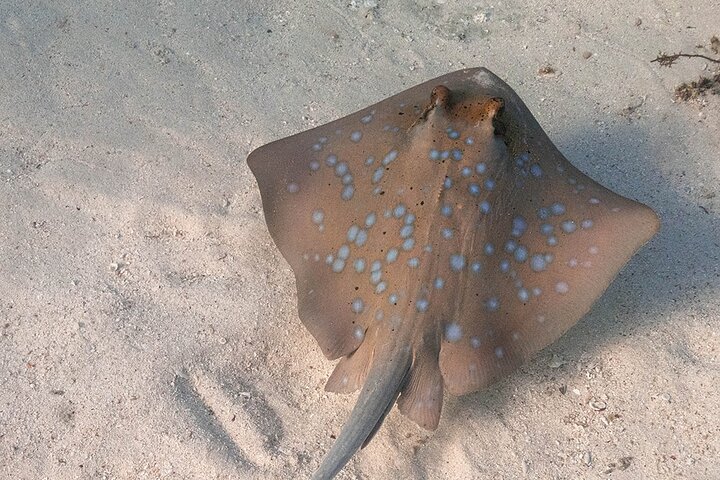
column 148, row 323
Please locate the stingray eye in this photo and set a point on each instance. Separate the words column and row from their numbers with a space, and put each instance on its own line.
column 440, row 96
column 498, row 120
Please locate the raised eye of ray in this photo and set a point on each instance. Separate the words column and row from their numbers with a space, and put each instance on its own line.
column 438, row 240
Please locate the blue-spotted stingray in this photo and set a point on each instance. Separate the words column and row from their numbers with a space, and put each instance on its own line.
column 438, row 240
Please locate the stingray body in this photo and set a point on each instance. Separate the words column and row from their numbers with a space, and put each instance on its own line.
column 438, row 240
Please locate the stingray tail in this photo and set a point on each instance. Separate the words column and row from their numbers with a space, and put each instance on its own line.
column 382, row 386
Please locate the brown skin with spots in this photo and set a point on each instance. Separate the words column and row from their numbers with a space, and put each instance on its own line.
column 454, row 180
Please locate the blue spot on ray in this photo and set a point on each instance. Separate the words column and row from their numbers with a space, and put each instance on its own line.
column 352, row 233
column 519, row 226
column 492, row 304
column 347, row 192
column 341, row 169
column 504, row 266
column 390, row 157
column 406, row 231
column 453, row 332
column 557, row 208
column 377, row 175
column 361, row 238
column 358, row 305
column 408, row 244
column 568, row 226
column 457, row 262
column 521, row 254
column 538, row 263
column 422, row 305
column 523, row 295
column 318, row 216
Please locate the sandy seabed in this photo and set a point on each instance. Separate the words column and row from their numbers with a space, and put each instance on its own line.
column 149, row 327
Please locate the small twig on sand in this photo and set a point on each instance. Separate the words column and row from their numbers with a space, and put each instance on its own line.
column 668, row 60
